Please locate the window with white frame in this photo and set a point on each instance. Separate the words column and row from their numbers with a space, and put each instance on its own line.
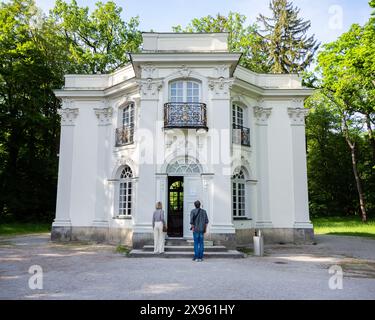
column 237, row 115
column 125, row 192
column 239, row 194
column 128, row 115
column 241, row 134
column 184, row 91
column 125, row 134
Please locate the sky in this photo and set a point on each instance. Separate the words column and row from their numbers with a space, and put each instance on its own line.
column 329, row 18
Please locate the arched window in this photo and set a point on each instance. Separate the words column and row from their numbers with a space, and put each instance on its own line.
column 184, row 91
column 125, row 192
column 238, row 194
column 183, row 166
column 124, row 134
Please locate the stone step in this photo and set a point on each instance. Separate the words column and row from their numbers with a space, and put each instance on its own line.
column 230, row 254
column 186, row 242
column 207, row 243
column 188, row 248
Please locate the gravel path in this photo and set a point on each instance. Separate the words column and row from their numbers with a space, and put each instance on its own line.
column 81, row 271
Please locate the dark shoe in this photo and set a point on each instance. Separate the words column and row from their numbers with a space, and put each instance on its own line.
column 194, row 259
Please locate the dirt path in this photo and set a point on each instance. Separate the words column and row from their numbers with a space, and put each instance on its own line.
column 82, row 271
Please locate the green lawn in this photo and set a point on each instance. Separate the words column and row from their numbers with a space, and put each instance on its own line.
column 15, row 228
column 346, row 226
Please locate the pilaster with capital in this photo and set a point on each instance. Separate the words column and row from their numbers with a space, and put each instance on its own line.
column 297, row 116
column 300, row 189
column 104, row 116
column 102, row 205
column 149, row 88
column 220, row 87
column 263, row 216
column 68, row 116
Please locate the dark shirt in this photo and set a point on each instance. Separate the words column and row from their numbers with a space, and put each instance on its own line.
column 200, row 221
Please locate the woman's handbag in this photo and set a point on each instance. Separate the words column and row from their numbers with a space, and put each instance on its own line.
column 165, row 228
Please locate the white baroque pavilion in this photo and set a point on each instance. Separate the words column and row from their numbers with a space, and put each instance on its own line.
column 182, row 122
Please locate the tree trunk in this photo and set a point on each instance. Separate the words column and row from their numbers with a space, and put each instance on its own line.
column 362, row 201
column 371, row 135
column 352, row 146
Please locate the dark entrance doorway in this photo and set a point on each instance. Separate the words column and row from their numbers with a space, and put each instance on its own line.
column 175, row 206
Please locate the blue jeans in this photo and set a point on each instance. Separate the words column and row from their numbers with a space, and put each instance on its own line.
column 198, row 245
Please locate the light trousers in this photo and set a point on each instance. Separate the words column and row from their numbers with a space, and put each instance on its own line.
column 158, row 237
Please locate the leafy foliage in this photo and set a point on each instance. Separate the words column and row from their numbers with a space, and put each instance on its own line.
column 35, row 53
column 242, row 38
column 98, row 42
column 345, row 77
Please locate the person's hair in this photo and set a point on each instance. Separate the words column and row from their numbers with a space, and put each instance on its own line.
column 197, row 204
column 159, row 205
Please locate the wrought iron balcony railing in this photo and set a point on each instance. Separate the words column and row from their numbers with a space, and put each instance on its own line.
column 124, row 135
column 241, row 135
column 192, row 115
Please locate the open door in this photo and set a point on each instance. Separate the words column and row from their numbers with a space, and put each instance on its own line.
column 175, row 206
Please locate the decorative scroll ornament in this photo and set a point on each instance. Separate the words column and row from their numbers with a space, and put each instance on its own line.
column 67, row 103
column 262, row 114
column 150, row 88
column 222, row 71
column 185, row 71
column 148, row 71
column 221, row 87
column 68, row 116
column 297, row 103
column 297, row 116
column 104, row 116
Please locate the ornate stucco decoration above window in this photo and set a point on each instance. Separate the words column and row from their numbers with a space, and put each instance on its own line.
column 150, row 88
column 297, row 116
column 104, row 116
column 68, row 116
column 221, row 87
column 262, row 115
column 185, row 72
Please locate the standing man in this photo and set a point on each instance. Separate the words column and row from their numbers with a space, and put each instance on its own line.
column 198, row 222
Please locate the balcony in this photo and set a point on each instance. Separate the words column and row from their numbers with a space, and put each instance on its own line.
column 124, row 135
column 189, row 115
column 241, row 135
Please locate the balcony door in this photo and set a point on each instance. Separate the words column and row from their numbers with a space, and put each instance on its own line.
column 241, row 134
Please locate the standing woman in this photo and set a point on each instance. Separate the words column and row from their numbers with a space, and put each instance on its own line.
column 158, row 224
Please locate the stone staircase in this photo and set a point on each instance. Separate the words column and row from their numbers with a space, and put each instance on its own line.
column 184, row 248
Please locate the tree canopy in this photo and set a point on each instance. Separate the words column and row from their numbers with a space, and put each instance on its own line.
column 98, row 41
column 242, row 38
column 285, row 40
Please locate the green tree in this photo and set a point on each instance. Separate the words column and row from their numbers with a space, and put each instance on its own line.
column 332, row 188
column 288, row 48
column 35, row 53
column 98, row 42
column 28, row 121
column 242, row 38
column 345, row 76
